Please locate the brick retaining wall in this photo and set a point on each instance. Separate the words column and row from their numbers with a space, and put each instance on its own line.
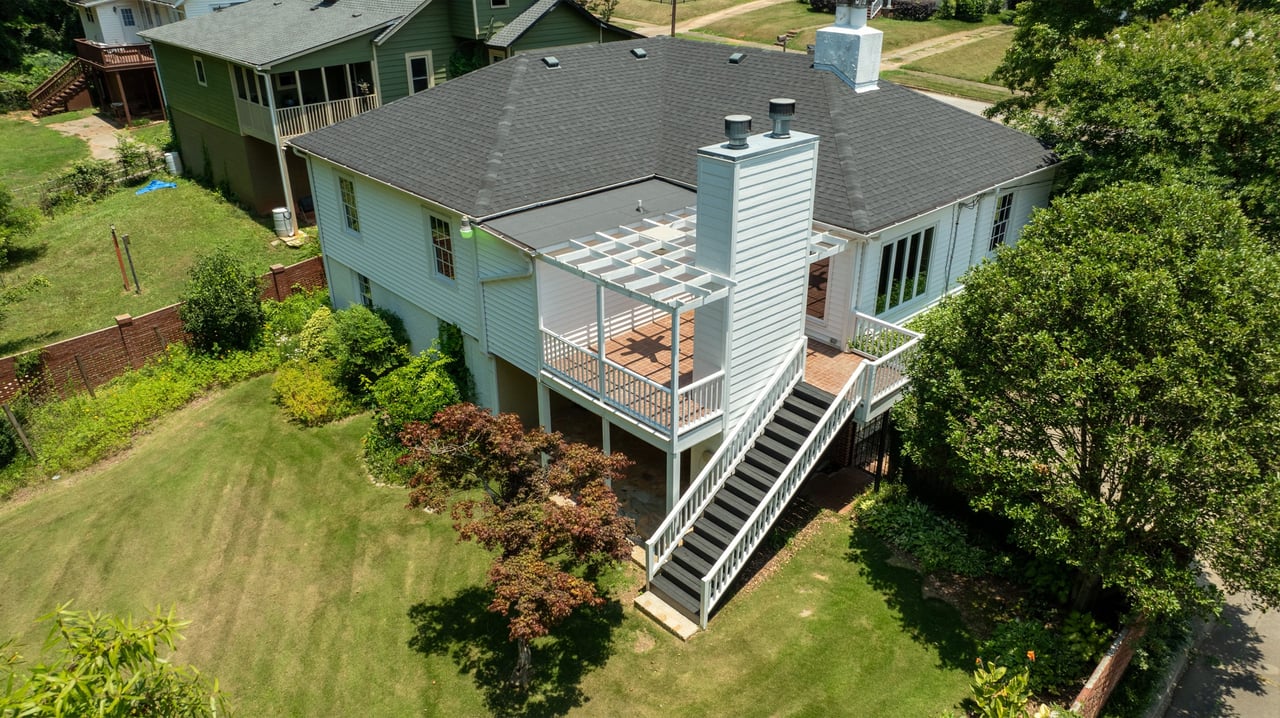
column 1093, row 698
column 104, row 354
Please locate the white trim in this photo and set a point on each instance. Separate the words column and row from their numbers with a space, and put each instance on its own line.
column 202, row 73
column 409, row 57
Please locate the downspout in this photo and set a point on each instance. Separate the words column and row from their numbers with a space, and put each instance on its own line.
column 280, row 157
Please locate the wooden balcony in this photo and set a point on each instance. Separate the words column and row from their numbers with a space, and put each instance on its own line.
column 115, row 57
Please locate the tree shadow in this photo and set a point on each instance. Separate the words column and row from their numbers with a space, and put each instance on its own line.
column 928, row 621
column 463, row 629
column 24, row 343
column 1230, row 664
column 21, row 253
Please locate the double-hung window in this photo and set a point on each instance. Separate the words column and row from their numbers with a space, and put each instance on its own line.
column 366, row 291
column 904, row 269
column 350, row 212
column 418, row 67
column 1000, row 223
column 442, row 246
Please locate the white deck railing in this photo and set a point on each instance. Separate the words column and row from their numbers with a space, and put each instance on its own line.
column 739, row 550
column 294, row 121
column 638, row 397
column 890, row 347
column 702, row 489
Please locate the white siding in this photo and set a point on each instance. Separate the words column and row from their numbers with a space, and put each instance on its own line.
column 510, row 305
column 567, row 302
column 393, row 248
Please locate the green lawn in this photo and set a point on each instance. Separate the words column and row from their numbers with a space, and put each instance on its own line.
column 764, row 25
column 974, row 61
column 31, row 153
column 168, row 229
column 659, row 13
column 313, row 592
column 947, row 85
column 155, row 134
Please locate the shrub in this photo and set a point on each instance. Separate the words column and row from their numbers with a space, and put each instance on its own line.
column 221, row 310
column 307, row 396
column 413, row 392
column 453, row 347
column 918, row 10
column 134, row 157
column 284, row 320
column 946, row 9
column 317, row 340
column 1022, row 644
column 938, row 543
column 86, row 180
column 364, row 349
column 1008, row 16
column 970, row 10
column 822, row 5
column 16, row 221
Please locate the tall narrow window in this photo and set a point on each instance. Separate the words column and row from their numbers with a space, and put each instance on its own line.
column 442, row 245
column 1000, row 225
column 200, row 76
column 418, row 67
column 904, row 269
column 126, row 16
column 366, row 290
column 349, row 209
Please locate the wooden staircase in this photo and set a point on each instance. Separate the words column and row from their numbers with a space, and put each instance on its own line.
column 52, row 96
column 679, row 581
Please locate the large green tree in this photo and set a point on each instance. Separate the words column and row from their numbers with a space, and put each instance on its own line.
column 546, row 511
column 1112, row 386
column 1191, row 99
column 29, row 26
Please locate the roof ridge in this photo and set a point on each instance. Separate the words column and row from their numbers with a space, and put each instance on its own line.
column 502, row 135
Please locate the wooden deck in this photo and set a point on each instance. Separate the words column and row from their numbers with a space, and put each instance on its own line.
column 646, row 350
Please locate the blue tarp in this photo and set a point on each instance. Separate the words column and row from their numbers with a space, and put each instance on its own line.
column 155, row 185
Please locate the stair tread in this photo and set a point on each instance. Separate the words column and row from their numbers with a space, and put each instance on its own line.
column 755, row 475
column 681, row 577
column 725, row 519
column 748, row 490
column 675, row 596
column 764, row 461
column 799, row 421
column 813, row 394
column 734, row 503
column 702, row 546
column 712, row 534
column 691, row 562
column 786, row 434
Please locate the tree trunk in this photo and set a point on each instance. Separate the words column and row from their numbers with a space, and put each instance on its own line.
column 524, row 664
column 1084, row 591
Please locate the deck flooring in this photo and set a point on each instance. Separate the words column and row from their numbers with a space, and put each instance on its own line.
column 828, row 368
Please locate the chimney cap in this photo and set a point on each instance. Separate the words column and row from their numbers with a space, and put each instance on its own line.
column 736, row 128
column 781, row 110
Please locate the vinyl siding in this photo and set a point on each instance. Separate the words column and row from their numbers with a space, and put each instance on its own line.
column 510, row 305
column 213, row 102
column 428, row 30
column 393, row 248
column 357, row 49
column 562, row 26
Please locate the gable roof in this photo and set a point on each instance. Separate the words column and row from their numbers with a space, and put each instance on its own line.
column 513, row 30
column 264, row 32
column 518, row 134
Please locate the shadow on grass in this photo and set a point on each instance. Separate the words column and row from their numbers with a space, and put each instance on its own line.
column 463, row 629
column 930, row 622
column 26, row 343
column 20, row 253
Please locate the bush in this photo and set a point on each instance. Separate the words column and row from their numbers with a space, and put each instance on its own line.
column 75, row 432
column 16, row 221
column 970, row 10
column 220, row 308
column 413, row 392
column 364, row 349
column 918, row 10
column 822, row 5
column 1008, row 16
column 284, row 321
column 317, row 340
column 307, row 396
column 135, row 158
column 86, row 180
column 938, row 543
column 453, row 347
column 1061, row 662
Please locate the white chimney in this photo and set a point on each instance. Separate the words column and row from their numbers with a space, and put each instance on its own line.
column 755, row 218
column 850, row 48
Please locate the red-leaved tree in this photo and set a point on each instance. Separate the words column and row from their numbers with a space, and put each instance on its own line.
column 553, row 526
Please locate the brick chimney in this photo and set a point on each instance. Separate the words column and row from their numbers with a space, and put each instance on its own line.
column 850, row 48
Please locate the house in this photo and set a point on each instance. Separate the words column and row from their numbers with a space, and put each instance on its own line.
column 735, row 304
column 241, row 82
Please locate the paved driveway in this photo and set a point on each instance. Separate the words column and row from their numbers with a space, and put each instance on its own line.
column 1235, row 672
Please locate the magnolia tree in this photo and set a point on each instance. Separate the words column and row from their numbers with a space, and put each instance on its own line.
column 553, row 524
column 1111, row 385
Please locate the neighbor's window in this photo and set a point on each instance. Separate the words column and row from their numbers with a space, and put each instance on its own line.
column 499, row 3
column 1000, row 225
column 126, row 16
column 442, row 244
column 366, row 291
column 349, row 209
column 904, row 269
column 418, row 65
column 200, row 76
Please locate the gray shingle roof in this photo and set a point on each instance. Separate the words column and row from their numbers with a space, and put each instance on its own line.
column 518, row 133
column 262, row 32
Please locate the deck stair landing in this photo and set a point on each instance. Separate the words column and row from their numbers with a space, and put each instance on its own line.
column 679, row 581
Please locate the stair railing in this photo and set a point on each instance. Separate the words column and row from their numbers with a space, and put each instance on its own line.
column 694, row 501
column 59, row 81
column 739, row 550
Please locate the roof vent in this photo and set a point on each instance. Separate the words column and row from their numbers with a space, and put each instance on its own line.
column 737, row 58
column 781, row 110
column 551, row 61
column 736, row 128
column 639, row 53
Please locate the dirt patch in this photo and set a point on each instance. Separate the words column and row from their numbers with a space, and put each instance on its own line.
column 644, row 642
column 97, row 131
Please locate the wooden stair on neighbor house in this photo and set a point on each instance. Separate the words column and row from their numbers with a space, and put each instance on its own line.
column 52, row 96
column 679, row 581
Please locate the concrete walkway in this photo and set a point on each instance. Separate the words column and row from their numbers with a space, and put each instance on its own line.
column 1235, row 671
column 98, row 132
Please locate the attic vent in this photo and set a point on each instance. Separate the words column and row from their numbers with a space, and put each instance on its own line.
column 324, row 3
column 737, row 58
column 551, row 61
column 639, row 53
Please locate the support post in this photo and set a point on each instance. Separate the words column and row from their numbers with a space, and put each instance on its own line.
column 137, row 286
column 275, row 133
column 673, row 475
column 84, row 376
column 119, row 257
column 600, row 339
column 128, row 118
column 544, row 412
column 605, row 444
column 675, row 375
column 22, row 435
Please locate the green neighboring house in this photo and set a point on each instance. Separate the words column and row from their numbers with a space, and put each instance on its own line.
column 241, row 82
